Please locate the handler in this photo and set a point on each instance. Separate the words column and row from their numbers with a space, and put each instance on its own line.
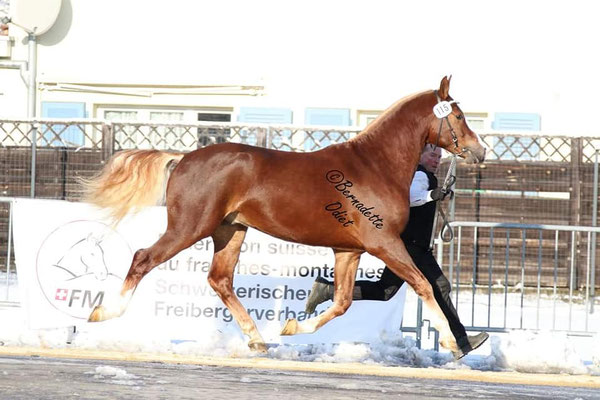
column 424, row 192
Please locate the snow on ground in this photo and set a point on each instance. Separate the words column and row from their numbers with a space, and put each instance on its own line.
column 520, row 350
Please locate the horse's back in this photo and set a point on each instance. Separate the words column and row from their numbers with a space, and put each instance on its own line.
column 280, row 193
column 246, row 162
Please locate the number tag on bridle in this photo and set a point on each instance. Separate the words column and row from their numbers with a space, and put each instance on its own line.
column 442, row 109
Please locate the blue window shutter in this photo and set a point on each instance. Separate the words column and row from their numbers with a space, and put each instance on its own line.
column 516, row 122
column 260, row 115
column 513, row 147
column 323, row 117
column 72, row 136
column 327, row 116
column 265, row 115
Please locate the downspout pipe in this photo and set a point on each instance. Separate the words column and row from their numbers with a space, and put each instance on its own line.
column 32, row 76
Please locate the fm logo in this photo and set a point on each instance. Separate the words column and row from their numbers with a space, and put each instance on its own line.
column 78, row 263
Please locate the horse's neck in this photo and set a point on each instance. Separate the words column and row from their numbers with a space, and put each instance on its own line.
column 398, row 136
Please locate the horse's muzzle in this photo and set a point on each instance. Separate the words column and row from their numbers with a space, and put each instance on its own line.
column 474, row 155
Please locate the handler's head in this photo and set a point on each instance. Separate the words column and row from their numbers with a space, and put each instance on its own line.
column 430, row 158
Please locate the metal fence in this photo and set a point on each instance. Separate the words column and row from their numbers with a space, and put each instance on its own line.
column 545, row 296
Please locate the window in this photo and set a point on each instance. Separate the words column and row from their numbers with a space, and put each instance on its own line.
column 365, row 117
column 280, row 139
column 63, row 135
column 208, row 136
column 167, row 130
column 4, row 10
column 477, row 121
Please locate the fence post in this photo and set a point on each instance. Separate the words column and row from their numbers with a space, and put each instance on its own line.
column 478, row 219
column 575, row 217
column 594, row 223
column 261, row 139
column 9, row 246
column 108, row 141
column 34, row 129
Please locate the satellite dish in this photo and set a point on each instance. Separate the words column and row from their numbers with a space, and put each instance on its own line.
column 35, row 16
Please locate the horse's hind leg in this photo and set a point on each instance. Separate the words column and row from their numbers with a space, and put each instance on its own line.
column 346, row 264
column 228, row 239
column 144, row 260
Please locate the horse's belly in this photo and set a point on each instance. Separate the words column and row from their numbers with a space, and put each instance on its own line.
column 302, row 230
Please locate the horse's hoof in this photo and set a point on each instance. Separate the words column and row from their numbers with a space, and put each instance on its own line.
column 290, row 327
column 97, row 315
column 259, row 347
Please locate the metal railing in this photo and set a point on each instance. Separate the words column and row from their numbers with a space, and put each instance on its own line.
column 491, row 304
column 114, row 136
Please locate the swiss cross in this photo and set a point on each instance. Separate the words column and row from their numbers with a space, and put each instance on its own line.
column 61, row 294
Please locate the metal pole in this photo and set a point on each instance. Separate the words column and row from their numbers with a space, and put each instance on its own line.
column 419, row 326
column 9, row 243
column 32, row 76
column 594, row 223
column 31, row 103
column 33, row 158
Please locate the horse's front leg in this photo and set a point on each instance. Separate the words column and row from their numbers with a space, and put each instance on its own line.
column 346, row 264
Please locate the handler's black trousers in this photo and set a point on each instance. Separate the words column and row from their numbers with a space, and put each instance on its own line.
column 389, row 283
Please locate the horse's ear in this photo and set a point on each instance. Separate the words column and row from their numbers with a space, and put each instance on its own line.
column 444, row 87
column 93, row 239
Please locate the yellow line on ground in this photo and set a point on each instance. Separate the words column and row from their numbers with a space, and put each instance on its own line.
column 340, row 368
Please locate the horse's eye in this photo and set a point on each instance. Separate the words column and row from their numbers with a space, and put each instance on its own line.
column 459, row 117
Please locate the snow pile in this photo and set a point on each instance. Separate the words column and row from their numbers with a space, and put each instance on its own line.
column 117, row 376
column 524, row 351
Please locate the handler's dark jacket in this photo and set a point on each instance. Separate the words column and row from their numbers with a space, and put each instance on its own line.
column 420, row 222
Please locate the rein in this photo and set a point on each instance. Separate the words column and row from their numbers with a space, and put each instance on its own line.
column 446, row 233
column 448, row 183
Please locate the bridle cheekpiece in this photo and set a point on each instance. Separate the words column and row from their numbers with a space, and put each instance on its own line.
column 442, row 110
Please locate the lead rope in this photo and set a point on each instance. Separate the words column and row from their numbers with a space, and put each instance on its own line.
column 447, row 234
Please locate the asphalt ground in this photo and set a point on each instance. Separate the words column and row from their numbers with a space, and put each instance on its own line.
column 33, row 373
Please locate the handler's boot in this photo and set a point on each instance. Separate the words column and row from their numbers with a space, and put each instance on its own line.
column 322, row 290
column 466, row 344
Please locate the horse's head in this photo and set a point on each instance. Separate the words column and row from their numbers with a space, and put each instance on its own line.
column 449, row 129
column 92, row 257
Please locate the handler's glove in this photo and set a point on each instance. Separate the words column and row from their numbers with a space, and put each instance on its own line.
column 439, row 194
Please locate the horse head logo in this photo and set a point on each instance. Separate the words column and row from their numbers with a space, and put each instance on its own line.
column 84, row 257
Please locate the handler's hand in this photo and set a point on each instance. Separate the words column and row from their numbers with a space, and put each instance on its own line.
column 438, row 194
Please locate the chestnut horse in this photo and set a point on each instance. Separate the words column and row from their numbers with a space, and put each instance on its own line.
column 352, row 197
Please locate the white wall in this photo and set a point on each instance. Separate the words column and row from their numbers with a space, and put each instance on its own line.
column 539, row 56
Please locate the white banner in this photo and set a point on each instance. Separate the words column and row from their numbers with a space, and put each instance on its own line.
column 68, row 259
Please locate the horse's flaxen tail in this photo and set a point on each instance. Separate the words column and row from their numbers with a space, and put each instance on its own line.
column 130, row 181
